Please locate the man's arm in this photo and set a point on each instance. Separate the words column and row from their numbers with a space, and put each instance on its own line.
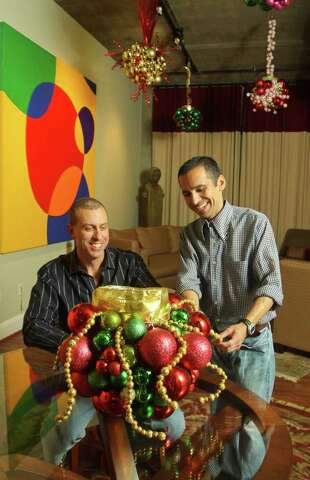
column 41, row 327
column 236, row 334
column 192, row 296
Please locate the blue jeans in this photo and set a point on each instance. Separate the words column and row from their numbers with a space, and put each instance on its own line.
column 63, row 436
column 253, row 366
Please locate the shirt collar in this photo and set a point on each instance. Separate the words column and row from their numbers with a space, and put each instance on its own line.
column 221, row 222
column 75, row 267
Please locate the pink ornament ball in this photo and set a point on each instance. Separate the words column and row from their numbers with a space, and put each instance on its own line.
column 199, row 351
column 157, row 348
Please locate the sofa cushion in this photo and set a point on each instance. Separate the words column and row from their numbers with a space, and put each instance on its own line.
column 153, row 240
column 296, row 252
column 164, row 264
column 174, row 238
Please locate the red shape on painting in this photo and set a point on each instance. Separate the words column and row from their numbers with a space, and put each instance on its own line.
column 52, row 152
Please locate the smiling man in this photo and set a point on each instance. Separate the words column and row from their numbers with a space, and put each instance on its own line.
column 230, row 269
column 71, row 279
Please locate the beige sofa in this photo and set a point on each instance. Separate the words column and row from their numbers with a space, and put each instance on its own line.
column 158, row 246
column 292, row 325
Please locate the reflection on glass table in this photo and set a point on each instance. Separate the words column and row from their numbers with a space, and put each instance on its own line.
column 242, row 439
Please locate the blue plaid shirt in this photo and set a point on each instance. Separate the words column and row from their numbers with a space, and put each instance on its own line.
column 229, row 262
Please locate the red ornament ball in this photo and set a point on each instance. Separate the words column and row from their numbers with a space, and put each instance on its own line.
column 109, row 403
column 80, row 383
column 177, row 383
column 157, row 348
column 109, row 354
column 200, row 320
column 162, row 412
column 174, row 298
column 114, row 368
column 81, row 354
column 79, row 315
column 102, row 366
column 199, row 351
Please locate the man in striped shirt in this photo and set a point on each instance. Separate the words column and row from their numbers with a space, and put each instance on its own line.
column 68, row 280
column 71, row 279
column 230, row 269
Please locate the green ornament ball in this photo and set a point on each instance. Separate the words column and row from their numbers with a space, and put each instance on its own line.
column 141, row 375
column 119, row 381
column 111, row 320
column 135, row 328
column 142, row 395
column 130, row 354
column 145, row 411
column 179, row 316
column 97, row 380
column 103, row 339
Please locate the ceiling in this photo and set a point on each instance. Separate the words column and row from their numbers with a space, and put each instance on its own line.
column 225, row 40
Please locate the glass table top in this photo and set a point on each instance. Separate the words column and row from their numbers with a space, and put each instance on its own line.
column 240, row 437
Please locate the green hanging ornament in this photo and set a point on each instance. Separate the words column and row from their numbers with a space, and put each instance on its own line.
column 97, row 380
column 187, row 118
column 103, row 339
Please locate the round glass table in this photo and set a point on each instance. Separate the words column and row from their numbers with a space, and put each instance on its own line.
column 239, row 437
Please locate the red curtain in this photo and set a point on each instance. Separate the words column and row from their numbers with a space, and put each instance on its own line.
column 227, row 108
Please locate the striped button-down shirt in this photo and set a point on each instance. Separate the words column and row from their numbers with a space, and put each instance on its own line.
column 229, row 262
column 62, row 284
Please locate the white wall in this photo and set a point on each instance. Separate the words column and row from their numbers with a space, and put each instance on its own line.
column 123, row 139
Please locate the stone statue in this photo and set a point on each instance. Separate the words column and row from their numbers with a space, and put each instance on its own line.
column 151, row 200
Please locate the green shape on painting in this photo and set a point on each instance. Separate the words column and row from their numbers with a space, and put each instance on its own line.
column 24, row 65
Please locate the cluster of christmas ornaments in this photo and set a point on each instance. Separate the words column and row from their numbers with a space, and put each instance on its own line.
column 187, row 118
column 269, row 94
column 268, row 4
column 143, row 64
column 134, row 368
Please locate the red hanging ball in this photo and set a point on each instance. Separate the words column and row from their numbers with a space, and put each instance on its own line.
column 114, row 368
column 81, row 354
column 174, row 298
column 102, row 366
column 199, row 351
column 200, row 320
column 177, row 383
column 109, row 403
column 157, row 348
column 109, row 354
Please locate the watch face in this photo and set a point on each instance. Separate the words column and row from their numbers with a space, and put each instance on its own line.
column 250, row 326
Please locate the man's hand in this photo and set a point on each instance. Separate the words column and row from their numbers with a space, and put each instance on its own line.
column 231, row 339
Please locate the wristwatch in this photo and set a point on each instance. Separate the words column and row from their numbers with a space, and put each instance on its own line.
column 249, row 325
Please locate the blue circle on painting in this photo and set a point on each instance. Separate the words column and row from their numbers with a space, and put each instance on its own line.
column 57, row 226
column 88, row 127
column 40, row 100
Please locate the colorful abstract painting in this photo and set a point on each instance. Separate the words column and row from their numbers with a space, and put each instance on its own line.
column 47, row 149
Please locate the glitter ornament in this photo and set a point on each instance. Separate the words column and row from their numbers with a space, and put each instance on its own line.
column 135, row 328
column 157, row 347
column 81, row 354
column 269, row 93
column 187, row 118
column 199, row 351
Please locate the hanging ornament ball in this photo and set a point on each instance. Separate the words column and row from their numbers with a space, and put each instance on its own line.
column 81, row 354
column 103, row 339
column 96, row 380
column 177, row 383
column 111, row 320
column 158, row 347
column 199, row 351
column 81, row 384
column 187, row 118
column 135, row 328
column 263, row 5
column 145, row 411
column 102, row 366
column 200, row 320
column 250, row 3
column 142, row 375
column 79, row 315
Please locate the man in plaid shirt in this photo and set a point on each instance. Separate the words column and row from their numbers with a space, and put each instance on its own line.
column 230, row 269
